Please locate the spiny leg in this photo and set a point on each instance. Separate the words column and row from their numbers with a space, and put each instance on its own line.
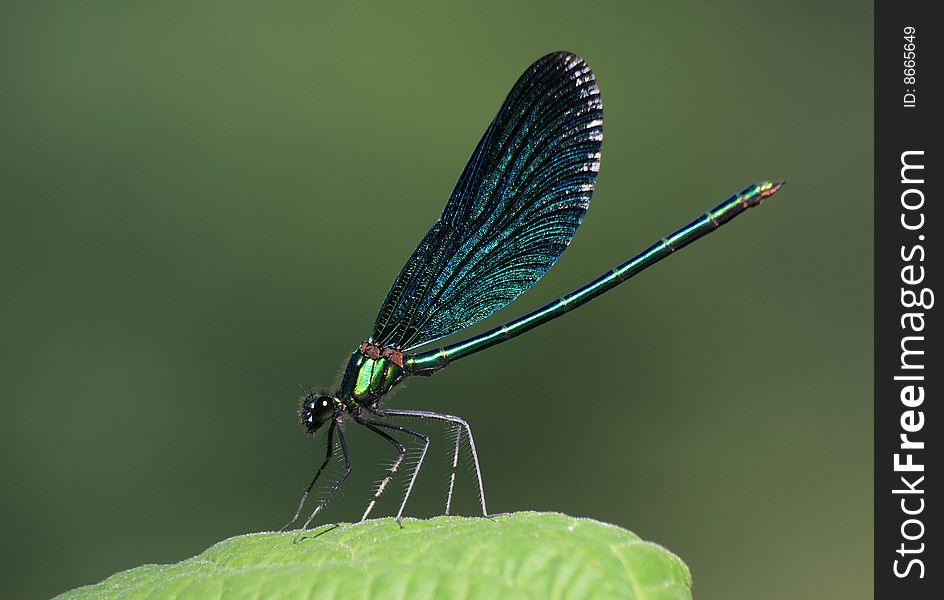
column 455, row 467
column 337, row 484
column 419, row 462
column 328, row 455
column 393, row 468
column 423, row 414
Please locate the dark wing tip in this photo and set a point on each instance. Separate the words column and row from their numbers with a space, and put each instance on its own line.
column 562, row 56
column 583, row 79
column 568, row 61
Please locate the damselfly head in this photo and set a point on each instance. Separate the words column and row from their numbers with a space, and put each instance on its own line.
column 317, row 409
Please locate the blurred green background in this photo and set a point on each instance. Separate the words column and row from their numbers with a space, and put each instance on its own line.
column 204, row 203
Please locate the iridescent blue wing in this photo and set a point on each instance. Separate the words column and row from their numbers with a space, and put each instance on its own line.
column 512, row 213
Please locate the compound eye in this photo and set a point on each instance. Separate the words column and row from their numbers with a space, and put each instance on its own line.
column 322, row 408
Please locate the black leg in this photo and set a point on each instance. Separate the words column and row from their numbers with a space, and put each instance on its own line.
column 419, row 463
column 455, row 467
column 337, row 484
column 423, row 414
column 401, row 452
column 328, row 455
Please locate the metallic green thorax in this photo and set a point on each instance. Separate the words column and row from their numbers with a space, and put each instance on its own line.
column 367, row 379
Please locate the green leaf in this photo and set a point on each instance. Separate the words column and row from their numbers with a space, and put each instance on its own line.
column 520, row 555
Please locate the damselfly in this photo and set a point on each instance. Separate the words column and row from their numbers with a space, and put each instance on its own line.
column 513, row 212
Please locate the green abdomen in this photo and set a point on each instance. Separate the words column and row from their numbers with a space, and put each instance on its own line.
column 367, row 379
